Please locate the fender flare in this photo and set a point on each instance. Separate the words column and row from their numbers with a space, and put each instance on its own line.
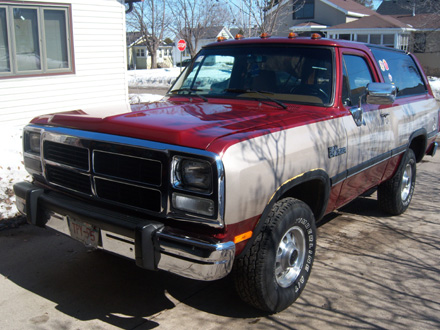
column 313, row 175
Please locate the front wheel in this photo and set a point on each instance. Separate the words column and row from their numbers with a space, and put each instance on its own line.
column 395, row 194
column 275, row 269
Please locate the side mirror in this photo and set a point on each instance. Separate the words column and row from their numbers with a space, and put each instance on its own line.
column 380, row 93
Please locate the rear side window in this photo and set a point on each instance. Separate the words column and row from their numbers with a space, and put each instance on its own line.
column 399, row 69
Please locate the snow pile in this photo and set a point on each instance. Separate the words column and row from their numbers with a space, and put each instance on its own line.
column 11, row 161
column 11, row 169
column 152, row 78
column 435, row 86
column 144, row 98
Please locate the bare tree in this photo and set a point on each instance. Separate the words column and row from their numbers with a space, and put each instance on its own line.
column 425, row 40
column 254, row 17
column 193, row 18
column 151, row 18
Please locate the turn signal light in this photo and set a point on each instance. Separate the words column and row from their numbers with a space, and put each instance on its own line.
column 242, row 237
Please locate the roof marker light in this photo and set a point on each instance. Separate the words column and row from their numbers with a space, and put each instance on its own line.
column 292, row 35
column 264, row 35
column 220, row 39
column 316, row 36
column 238, row 36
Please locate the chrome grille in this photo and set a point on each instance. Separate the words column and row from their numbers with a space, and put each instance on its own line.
column 124, row 175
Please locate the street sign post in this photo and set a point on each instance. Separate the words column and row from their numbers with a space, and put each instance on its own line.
column 181, row 45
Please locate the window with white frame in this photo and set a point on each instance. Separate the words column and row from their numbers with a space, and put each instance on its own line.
column 140, row 52
column 35, row 39
column 388, row 40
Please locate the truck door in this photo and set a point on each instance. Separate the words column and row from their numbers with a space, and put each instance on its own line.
column 368, row 140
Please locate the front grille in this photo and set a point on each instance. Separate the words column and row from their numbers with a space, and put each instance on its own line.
column 127, row 176
column 127, row 167
column 69, row 179
column 129, row 194
column 66, row 154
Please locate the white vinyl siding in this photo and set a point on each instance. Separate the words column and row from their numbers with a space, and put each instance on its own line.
column 99, row 76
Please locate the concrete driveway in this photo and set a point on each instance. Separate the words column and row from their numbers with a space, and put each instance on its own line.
column 371, row 272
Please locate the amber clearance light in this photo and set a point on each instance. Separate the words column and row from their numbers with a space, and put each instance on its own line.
column 316, row 36
column 238, row 36
column 264, row 35
column 220, row 39
column 292, row 35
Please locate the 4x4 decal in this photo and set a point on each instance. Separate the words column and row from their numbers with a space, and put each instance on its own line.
column 335, row 151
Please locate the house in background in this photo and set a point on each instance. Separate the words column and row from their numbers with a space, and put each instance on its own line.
column 424, row 39
column 315, row 15
column 138, row 56
column 399, row 25
column 60, row 55
column 210, row 34
column 375, row 29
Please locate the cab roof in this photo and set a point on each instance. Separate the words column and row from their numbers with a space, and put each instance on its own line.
column 290, row 40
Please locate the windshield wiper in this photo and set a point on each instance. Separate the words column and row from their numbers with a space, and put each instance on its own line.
column 262, row 93
column 191, row 91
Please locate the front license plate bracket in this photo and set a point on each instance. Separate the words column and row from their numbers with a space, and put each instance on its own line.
column 84, row 232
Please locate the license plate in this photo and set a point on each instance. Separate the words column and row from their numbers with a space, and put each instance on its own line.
column 84, row 232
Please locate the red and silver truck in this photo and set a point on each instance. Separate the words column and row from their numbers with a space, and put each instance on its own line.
column 257, row 140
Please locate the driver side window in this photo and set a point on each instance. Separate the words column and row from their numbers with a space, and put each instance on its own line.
column 356, row 77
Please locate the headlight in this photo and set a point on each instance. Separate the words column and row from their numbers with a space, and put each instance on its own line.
column 32, row 142
column 192, row 174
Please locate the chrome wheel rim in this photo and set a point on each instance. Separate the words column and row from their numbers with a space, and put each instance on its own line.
column 291, row 253
column 406, row 182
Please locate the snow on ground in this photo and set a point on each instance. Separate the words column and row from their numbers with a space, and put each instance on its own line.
column 11, row 161
column 152, row 78
column 435, row 86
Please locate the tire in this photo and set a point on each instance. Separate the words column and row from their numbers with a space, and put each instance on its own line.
column 275, row 269
column 394, row 195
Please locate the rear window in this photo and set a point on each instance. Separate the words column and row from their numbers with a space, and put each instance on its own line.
column 399, row 69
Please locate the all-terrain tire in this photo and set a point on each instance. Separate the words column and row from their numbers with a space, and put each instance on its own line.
column 394, row 195
column 275, row 269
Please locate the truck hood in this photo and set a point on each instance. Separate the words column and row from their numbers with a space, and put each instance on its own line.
column 194, row 125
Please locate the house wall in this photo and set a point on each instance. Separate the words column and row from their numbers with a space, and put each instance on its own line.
column 430, row 63
column 324, row 14
column 144, row 62
column 99, row 78
column 430, row 58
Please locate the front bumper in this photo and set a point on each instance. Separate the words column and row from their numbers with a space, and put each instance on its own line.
column 151, row 244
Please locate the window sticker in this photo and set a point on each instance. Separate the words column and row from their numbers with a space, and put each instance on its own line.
column 390, row 77
column 386, row 65
column 382, row 66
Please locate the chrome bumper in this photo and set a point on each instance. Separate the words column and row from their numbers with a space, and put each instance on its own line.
column 152, row 245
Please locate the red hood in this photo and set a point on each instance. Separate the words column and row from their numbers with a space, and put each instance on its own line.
column 194, row 125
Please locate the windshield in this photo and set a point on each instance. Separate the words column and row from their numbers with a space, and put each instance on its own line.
column 278, row 73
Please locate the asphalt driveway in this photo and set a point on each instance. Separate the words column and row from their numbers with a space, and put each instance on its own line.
column 371, row 272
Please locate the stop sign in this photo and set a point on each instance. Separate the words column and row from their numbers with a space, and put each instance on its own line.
column 181, row 45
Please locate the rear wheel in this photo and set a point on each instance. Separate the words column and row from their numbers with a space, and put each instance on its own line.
column 395, row 195
column 275, row 270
